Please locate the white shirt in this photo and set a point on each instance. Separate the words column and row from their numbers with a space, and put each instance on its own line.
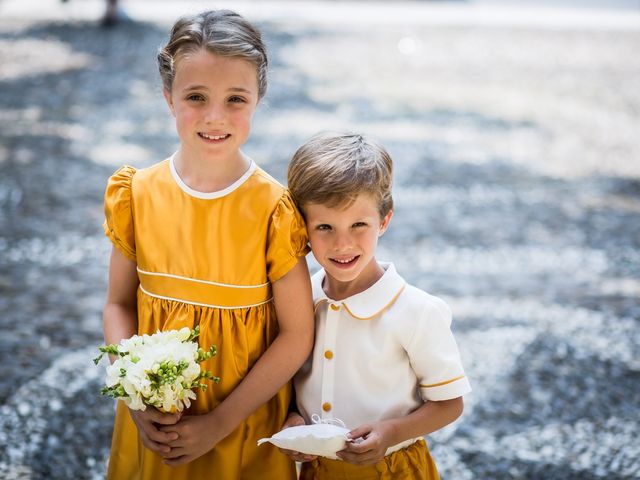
column 379, row 354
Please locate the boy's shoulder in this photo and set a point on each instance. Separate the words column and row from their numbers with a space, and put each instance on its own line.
column 419, row 300
column 414, row 303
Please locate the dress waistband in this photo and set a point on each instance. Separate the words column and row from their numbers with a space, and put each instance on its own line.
column 201, row 292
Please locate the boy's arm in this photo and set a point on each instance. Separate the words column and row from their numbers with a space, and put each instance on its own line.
column 379, row 436
column 283, row 358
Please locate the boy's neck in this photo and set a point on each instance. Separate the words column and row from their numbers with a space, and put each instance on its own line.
column 339, row 290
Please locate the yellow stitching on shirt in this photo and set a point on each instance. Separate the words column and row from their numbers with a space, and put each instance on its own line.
column 442, row 383
column 379, row 311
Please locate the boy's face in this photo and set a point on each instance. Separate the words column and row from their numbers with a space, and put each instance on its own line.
column 344, row 240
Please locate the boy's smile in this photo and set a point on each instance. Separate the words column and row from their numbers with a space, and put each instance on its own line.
column 344, row 241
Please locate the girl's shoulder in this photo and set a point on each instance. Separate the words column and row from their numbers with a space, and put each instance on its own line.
column 126, row 175
column 157, row 171
column 267, row 189
column 264, row 179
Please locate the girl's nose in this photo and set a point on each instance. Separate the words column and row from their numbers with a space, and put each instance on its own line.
column 215, row 113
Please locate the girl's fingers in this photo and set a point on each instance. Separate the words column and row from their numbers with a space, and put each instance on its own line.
column 162, row 437
column 303, row 457
column 297, row 456
column 154, row 446
column 165, row 418
column 174, row 453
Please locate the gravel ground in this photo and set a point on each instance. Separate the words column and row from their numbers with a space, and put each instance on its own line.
column 517, row 200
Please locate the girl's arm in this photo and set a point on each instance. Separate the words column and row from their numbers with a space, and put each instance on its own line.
column 120, row 316
column 379, row 436
column 283, row 358
column 120, row 320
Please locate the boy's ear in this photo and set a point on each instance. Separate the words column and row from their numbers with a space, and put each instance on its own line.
column 169, row 100
column 385, row 222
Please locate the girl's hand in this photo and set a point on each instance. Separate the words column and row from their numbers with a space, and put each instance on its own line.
column 293, row 420
column 369, row 444
column 195, row 435
column 152, row 437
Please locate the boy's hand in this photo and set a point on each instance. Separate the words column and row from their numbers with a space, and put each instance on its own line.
column 152, row 437
column 369, row 444
column 294, row 420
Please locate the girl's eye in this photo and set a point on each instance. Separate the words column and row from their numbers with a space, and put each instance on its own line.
column 235, row 99
column 323, row 226
column 195, row 97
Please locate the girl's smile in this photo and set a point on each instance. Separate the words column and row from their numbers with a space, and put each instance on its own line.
column 211, row 137
column 213, row 99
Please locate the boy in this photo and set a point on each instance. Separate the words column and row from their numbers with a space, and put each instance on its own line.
column 385, row 361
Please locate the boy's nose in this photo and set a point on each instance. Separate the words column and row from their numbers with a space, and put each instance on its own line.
column 342, row 241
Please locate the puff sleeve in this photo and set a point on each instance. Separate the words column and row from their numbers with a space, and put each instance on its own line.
column 434, row 354
column 118, row 209
column 287, row 238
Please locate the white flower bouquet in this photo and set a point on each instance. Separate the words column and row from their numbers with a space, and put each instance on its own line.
column 161, row 370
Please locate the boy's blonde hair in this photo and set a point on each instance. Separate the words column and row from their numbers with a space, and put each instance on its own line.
column 333, row 169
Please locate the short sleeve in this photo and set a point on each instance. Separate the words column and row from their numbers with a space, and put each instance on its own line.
column 434, row 354
column 118, row 209
column 287, row 238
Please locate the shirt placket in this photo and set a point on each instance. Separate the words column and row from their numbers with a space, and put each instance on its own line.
column 329, row 360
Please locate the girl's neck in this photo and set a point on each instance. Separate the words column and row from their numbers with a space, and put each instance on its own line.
column 206, row 175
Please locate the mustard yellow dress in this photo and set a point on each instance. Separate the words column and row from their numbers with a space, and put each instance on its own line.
column 207, row 259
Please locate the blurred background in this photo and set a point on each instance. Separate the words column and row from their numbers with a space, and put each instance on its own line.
column 514, row 127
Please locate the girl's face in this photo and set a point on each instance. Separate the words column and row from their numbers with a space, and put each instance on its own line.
column 213, row 99
column 344, row 241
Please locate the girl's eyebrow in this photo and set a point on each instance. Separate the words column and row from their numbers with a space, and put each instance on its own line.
column 195, row 87
column 230, row 89
column 240, row 89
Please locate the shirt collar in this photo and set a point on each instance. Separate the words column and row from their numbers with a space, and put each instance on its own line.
column 367, row 304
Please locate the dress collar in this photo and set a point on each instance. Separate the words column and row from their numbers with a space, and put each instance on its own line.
column 364, row 305
column 210, row 195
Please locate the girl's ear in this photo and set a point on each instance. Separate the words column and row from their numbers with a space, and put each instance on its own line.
column 169, row 100
column 385, row 222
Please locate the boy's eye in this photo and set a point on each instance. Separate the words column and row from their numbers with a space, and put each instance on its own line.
column 359, row 224
column 236, row 99
column 195, row 97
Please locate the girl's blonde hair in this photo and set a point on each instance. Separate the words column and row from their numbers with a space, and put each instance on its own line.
column 333, row 169
column 222, row 32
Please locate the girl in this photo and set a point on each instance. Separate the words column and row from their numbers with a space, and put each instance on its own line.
column 207, row 238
